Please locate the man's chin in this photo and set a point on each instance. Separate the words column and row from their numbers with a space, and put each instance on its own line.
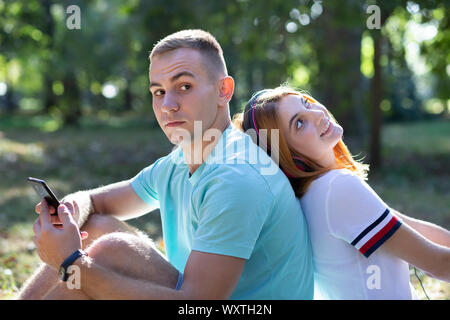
column 179, row 136
column 178, row 140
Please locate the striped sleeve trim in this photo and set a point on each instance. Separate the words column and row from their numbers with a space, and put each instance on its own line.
column 376, row 234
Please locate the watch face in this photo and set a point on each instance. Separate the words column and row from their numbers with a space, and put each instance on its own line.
column 62, row 272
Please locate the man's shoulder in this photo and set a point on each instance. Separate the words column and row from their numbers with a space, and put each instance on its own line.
column 164, row 166
column 235, row 175
column 238, row 152
column 245, row 181
column 174, row 158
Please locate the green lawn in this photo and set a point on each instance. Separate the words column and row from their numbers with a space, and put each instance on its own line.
column 414, row 179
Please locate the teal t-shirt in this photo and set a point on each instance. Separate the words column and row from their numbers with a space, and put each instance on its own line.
column 237, row 203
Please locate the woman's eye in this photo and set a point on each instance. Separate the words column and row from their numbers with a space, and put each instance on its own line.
column 305, row 102
column 185, row 87
column 158, row 92
column 299, row 124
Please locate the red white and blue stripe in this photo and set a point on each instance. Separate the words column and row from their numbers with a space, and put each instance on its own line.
column 376, row 234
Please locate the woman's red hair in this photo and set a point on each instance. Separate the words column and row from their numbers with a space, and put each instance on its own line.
column 266, row 118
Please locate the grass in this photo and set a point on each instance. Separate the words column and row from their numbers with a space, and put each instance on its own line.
column 414, row 178
column 69, row 160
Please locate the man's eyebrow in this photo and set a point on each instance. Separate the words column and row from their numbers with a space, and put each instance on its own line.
column 292, row 119
column 154, row 84
column 174, row 78
column 181, row 74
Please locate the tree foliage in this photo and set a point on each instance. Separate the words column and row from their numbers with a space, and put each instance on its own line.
column 323, row 47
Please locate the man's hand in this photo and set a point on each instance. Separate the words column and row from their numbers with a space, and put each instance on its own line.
column 54, row 244
column 71, row 205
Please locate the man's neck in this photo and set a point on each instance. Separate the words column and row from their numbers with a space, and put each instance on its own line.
column 197, row 152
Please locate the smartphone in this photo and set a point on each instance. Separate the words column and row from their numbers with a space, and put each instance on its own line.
column 44, row 191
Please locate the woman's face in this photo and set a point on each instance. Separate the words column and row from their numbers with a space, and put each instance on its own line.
column 308, row 128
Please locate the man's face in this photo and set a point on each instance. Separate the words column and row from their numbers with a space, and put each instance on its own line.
column 183, row 92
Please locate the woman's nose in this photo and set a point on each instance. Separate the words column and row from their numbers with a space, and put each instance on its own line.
column 317, row 115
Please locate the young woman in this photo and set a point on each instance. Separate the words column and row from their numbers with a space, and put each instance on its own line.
column 361, row 246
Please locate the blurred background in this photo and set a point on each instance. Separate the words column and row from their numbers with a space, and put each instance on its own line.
column 75, row 108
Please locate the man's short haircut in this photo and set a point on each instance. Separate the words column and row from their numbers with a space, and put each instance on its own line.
column 195, row 39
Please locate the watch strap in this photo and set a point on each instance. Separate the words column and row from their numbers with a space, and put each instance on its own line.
column 68, row 262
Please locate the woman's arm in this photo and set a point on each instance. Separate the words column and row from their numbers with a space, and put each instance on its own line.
column 429, row 230
column 409, row 245
column 357, row 215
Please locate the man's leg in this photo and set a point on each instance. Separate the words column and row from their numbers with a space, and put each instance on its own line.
column 45, row 278
column 128, row 254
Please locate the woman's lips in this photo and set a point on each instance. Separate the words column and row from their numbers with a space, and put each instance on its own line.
column 328, row 130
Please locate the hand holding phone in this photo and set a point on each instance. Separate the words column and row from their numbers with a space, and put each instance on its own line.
column 44, row 191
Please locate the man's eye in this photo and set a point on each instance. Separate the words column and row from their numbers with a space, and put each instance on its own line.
column 185, row 87
column 158, row 93
column 299, row 124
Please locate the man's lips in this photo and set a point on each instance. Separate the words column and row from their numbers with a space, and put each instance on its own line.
column 174, row 123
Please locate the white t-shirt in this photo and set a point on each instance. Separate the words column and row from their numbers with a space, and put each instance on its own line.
column 348, row 223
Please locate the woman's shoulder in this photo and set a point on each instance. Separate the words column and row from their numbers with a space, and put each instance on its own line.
column 336, row 184
column 347, row 192
column 336, row 176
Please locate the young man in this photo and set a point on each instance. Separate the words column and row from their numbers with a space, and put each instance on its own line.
column 230, row 230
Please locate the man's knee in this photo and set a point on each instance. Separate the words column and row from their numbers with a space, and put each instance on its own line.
column 133, row 255
column 99, row 224
column 116, row 244
column 103, row 224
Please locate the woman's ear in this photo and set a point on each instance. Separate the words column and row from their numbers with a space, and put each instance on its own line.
column 226, row 90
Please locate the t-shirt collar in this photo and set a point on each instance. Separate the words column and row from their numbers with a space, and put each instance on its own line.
column 193, row 179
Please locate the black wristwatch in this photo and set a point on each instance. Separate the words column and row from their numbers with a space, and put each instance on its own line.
column 68, row 262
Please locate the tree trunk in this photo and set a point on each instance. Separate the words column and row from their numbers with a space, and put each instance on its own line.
column 49, row 27
column 329, row 49
column 71, row 97
column 10, row 99
column 49, row 96
column 128, row 96
column 376, row 96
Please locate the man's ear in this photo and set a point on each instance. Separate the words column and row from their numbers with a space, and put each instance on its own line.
column 226, row 90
